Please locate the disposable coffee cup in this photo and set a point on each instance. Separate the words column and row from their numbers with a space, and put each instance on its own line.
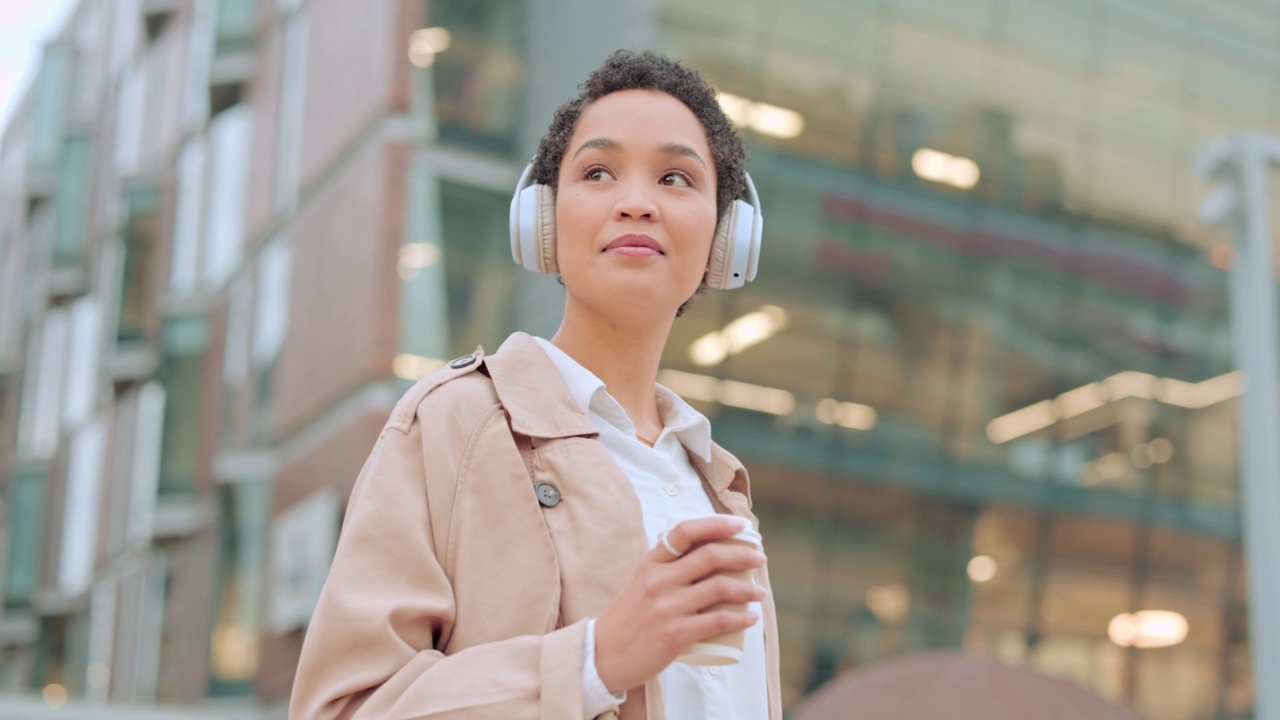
column 726, row 648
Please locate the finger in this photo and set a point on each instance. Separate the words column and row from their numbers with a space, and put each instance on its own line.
column 713, row 558
column 716, row 590
column 697, row 531
column 666, row 551
column 702, row 626
column 693, row 532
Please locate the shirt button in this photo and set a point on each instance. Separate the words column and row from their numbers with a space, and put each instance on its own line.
column 713, row 670
column 672, row 490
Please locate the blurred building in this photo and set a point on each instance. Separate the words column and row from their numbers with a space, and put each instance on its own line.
column 983, row 382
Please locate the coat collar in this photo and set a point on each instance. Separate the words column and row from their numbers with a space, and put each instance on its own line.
column 540, row 406
column 533, row 392
column 723, row 472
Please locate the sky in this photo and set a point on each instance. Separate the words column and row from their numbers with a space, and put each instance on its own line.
column 24, row 26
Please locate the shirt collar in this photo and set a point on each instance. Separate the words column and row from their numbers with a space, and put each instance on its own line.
column 690, row 427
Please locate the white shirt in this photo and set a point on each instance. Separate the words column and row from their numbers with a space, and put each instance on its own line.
column 670, row 490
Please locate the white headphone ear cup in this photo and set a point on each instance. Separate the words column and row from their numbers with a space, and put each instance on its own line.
column 757, row 233
column 721, row 249
column 734, row 248
column 524, row 223
column 546, row 241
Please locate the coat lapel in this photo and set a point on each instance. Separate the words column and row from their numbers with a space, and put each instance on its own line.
column 597, row 527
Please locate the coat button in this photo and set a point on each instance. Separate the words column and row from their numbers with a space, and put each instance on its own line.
column 548, row 494
column 462, row 362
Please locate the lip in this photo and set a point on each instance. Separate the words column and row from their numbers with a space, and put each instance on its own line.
column 634, row 246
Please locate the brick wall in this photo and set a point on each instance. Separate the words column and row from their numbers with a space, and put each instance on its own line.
column 334, row 463
column 263, row 95
column 351, row 76
column 342, row 317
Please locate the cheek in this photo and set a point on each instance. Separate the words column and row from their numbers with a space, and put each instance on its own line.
column 572, row 222
column 702, row 226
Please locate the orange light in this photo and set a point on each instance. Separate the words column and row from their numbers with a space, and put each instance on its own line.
column 1148, row 629
column 1222, row 256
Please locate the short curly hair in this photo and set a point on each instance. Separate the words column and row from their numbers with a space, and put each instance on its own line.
column 626, row 70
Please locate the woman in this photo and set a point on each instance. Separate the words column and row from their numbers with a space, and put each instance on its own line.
column 504, row 552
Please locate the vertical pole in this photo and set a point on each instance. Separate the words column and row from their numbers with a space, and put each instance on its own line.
column 1254, row 317
column 1253, row 320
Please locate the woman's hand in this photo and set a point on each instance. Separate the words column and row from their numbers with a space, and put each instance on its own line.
column 658, row 614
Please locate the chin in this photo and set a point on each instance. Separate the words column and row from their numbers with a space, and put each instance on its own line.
column 634, row 300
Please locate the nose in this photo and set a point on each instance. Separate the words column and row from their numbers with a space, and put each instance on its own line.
column 635, row 202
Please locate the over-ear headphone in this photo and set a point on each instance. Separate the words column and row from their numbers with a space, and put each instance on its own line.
column 735, row 252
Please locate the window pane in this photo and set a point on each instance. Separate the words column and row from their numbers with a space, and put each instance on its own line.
column 244, row 512
column 181, row 376
column 478, row 80
column 236, row 20
column 26, row 530
column 80, row 518
column 481, row 278
column 49, row 98
column 138, row 283
column 228, row 166
column 72, row 202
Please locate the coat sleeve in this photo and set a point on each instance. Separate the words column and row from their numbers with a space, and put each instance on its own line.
column 369, row 650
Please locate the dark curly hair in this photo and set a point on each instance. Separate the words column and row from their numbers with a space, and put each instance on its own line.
column 626, row 70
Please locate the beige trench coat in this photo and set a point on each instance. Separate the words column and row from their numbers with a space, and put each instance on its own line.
column 454, row 593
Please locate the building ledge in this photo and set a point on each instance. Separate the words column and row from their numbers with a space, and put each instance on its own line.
column 67, row 281
column 195, row 304
column 181, row 516
column 39, row 182
column 18, row 628
column 231, row 66
column 26, row 464
column 51, row 601
column 231, row 467
column 132, row 362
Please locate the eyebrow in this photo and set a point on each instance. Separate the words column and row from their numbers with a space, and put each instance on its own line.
column 683, row 151
column 673, row 148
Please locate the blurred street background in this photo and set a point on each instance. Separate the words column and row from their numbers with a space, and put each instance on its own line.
column 984, row 382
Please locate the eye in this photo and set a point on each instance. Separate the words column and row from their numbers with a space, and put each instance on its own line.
column 596, row 174
column 676, row 179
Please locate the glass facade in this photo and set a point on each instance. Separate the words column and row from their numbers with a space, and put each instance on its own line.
column 995, row 407
column 479, row 80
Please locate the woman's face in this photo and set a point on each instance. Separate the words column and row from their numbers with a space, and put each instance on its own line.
column 635, row 205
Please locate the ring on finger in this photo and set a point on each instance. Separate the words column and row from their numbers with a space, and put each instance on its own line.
column 667, row 544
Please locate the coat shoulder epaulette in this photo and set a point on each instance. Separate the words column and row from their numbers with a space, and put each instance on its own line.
column 407, row 407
